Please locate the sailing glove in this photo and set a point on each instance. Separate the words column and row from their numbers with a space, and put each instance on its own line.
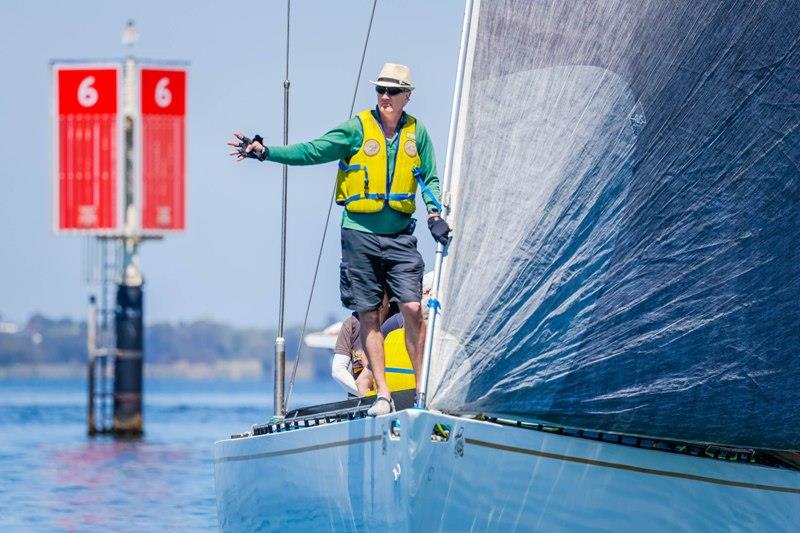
column 245, row 142
column 439, row 229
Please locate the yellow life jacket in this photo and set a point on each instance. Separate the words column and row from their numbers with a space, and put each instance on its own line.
column 361, row 183
column 399, row 372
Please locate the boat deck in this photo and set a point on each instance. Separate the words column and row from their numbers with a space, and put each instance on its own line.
column 328, row 413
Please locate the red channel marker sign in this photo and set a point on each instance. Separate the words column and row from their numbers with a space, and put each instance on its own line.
column 163, row 152
column 86, row 144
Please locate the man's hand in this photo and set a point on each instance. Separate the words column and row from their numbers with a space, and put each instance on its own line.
column 439, row 229
column 363, row 358
column 248, row 148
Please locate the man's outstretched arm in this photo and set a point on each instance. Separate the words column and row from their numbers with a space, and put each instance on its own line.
column 339, row 143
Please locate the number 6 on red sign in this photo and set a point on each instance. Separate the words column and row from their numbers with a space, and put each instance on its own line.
column 87, row 94
column 163, row 94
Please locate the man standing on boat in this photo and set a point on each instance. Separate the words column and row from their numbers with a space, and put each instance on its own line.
column 384, row 154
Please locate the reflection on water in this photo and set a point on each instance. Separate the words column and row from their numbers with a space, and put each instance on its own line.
column 53, row 477
column 103, row 475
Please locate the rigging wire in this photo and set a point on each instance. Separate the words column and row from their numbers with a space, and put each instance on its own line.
column 330, row 208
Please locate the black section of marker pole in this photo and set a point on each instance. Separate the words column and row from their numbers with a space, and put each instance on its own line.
column 129, row 324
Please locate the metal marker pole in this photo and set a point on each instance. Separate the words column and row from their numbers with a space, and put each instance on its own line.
column 91, row 349
column 280, row 341
column 129, row 322
column 448, row 169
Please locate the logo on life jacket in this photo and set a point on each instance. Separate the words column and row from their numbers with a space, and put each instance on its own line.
column 372, row 147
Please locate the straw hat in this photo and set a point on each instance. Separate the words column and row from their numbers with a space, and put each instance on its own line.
column 394, row 75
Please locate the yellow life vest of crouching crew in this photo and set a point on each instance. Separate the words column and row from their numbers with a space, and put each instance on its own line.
column 399, row 370
column 362, row 181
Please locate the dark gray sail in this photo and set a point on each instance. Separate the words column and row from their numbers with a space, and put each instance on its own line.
column 625, row 198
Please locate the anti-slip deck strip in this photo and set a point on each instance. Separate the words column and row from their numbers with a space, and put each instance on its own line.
column 304, row 449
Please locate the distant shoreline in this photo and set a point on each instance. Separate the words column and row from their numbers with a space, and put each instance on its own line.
column 46, row 348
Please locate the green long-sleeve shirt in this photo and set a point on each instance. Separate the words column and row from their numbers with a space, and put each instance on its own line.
column 344, row 141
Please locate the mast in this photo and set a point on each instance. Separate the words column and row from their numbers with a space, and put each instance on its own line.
column 280, row 341
column 448, row 169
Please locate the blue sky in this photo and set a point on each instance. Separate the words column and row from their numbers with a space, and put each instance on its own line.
column 225, row 267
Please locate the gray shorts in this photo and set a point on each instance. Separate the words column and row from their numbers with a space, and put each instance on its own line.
column 374, row 263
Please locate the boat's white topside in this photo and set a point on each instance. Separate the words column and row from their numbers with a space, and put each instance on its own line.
column 352, row 475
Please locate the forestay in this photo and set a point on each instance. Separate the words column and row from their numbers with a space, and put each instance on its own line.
column 625, row 201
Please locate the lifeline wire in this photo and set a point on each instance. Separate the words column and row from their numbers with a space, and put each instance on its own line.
column 328, row 217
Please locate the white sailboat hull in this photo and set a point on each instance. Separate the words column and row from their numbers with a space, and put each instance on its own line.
column 354, row 475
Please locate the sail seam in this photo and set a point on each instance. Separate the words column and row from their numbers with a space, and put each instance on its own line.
column 362, row 440
column 631, row 468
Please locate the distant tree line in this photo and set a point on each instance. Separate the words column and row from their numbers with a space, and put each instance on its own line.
column 45, row 340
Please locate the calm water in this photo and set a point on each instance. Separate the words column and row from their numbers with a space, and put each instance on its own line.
column 54, row 478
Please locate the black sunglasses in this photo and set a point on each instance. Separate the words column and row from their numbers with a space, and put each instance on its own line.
column 392, row 91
